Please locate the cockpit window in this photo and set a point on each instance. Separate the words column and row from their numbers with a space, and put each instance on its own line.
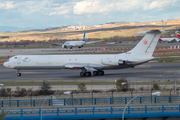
column 66, row 43
column 7, row 60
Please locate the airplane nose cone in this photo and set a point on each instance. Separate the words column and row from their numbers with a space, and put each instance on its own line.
column 5, row 64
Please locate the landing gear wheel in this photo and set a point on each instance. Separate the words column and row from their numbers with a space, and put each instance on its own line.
column 19, row 74
column 95, row 73
column 87, row 74
column 71, row 47
column 82, row 74
column 101, row 73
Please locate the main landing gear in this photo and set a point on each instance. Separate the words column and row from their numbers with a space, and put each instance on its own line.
column 95, row 73
column 18, row 73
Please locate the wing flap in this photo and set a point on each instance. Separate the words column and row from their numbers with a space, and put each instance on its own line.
column 94, row 41
column 88, row 67
column 70, row 65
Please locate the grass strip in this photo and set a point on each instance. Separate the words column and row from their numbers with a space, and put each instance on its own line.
column 39, row 83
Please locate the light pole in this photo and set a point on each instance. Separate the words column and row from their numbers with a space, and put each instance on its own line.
column 43, row 104
column 174, row 83
column 137, row 87
column 155, row 93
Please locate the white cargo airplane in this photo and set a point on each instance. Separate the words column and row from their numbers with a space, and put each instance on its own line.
column 171, row 39
column 94, row 63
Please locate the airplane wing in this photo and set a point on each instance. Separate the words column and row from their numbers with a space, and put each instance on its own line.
column 87, row 66
column 56, row 43
column 94, row 41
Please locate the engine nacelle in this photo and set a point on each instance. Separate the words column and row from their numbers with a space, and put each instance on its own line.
column 122, row 62
column 112, row 61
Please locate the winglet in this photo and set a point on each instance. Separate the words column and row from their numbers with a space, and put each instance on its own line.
column 84, row 37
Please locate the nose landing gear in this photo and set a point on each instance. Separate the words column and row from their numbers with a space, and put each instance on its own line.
column 18, row 73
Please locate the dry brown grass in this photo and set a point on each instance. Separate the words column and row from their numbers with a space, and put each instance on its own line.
column 78, row 34
column 112, row 33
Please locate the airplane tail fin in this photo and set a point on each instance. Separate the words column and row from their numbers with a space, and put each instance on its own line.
column 147, row 44
column 84, row 37
column 177, row 32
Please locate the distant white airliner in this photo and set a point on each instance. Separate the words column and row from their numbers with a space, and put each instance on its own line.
column 78, row 44
column 171, row 39
column 88, row 63
column 72, row 44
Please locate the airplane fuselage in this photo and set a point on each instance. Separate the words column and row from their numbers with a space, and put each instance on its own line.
column 73, row 44
column 59, row 61
column 169, row 39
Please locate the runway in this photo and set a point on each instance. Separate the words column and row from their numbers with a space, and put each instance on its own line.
column 144, row 72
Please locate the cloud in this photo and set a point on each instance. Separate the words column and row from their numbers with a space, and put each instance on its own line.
column 158, row 4
column 66, row 16
column 62, row 10
column 85, row 7
column 52, row 13
column 8, row 5
column 2, row 5
column 105, row 6
column 85, row 11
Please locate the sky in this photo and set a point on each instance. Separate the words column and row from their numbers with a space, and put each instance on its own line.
column 39, row 14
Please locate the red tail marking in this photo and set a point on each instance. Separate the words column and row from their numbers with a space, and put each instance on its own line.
column 178, row 36
column 145, row 42
column 160, row 39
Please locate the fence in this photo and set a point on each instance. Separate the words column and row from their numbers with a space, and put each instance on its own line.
column 96, row 112
column 89, row 101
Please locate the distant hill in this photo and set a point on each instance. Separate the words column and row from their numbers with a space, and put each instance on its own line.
column 10, row 29
column 75, row 32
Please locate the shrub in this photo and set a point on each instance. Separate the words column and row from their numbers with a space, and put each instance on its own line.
column 8, row 89
column 45, row 88
column 20, row 92
column 155, row 86
column 3, row 92
column 82, row 86
column 120, row 86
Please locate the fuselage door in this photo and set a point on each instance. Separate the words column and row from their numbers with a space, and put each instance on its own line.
column 18, row 60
